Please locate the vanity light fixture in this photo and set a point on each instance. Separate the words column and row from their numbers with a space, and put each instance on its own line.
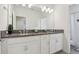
column 51, row 11
column 47, row 10
column 43, row 8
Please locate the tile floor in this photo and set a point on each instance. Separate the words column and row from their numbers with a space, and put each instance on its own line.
column 73, row 51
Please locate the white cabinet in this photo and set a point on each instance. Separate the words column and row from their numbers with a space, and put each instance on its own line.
column 59, row 40
column 44, row 44
column 16, row 48
column 56, row 42
column 16, row 45
column 31, row 45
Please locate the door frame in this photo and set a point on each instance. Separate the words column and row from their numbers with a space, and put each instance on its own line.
column 20, row 16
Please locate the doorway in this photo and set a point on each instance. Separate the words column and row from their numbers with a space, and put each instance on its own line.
column 20, row 23
column 74, row 17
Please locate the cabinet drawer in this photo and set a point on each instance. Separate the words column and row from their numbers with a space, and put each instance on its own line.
column 59, row 35
column 22, row 39
column 16, row 40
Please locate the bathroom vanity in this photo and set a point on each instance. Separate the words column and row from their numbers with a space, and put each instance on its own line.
column 33, row 43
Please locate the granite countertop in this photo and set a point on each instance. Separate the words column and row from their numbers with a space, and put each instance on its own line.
column 32, row 34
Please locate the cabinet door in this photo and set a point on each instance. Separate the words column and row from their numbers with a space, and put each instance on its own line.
column 4, row 46
column 31, row 46
column 52, row 43
column 44, row 44
column 16, row 40
column 56, row 42
column 59, row 38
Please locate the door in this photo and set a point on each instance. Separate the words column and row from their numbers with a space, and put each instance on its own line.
column 44, row 44
column 73, row 30
column 52, row 43
column 77, row 29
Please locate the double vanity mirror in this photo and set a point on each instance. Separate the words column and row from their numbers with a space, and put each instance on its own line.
column 31, row 17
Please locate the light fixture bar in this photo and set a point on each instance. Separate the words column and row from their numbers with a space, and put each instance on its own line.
column 43, row 8
column 46, row 9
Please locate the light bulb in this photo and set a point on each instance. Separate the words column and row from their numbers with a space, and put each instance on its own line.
column 30, row 5
column 48, row 9
column 51, row 11
column 43, row 8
